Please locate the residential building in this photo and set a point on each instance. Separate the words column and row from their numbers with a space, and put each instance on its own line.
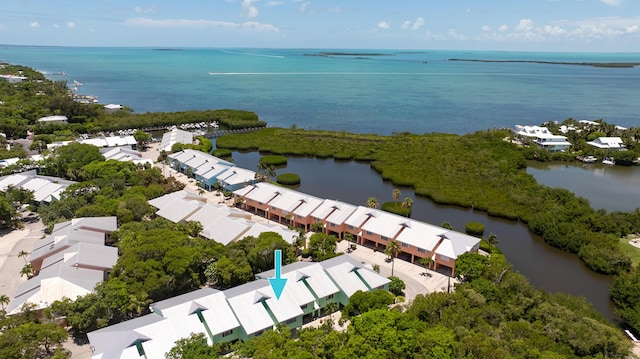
column 238, row 313
column 124, row 141
column 543, row 138
column 45, row 189
column 607, row 143
column 333, row 215
column 111, row 108
column 175, row 136
column 279, row 204
column 126, row 155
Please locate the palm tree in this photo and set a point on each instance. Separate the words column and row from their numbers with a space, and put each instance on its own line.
column 492, row 240
column 426, row 261
column 372, row 202
column 4, row 300
column 396, row 194
column 392, row 250
column 270, row 172
column 24, row 255
column 408, row 203
column 28, row 269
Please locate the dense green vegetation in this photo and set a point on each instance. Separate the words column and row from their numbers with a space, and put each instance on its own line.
column 288, row 179
column 30, row 335
column 478, row 170
column 273, row 161
column 474, row 228
column 27, row 101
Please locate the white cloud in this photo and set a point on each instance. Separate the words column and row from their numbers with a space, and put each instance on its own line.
column 71, row 24
column 149, row 10
column 305, row 7
column 486, row 28
column 55, row 26
column 275, row 3
column 503, row 28
column 383, row 25
column 34, row 25
column 335, row 10
column 199, row 23
column 525, row 25
column 413, row 25
column 612, row 2
column 249, row 10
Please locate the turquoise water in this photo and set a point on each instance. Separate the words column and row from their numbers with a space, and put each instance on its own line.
column 402, row 91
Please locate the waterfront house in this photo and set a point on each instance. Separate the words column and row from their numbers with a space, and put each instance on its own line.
column 543, row 138
column 126, row 155
column 279, row 204
column 333, row 214
column 607, row 143
column 14, row 79
column 209, row 170
column 111, row 108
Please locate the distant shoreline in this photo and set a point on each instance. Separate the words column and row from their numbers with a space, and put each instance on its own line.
column 592, row 64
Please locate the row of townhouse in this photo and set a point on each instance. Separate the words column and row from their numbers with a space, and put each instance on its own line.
column 370, row 227
column 238, row 313
column 209, row 170
column 69, row 262
column 45, row 189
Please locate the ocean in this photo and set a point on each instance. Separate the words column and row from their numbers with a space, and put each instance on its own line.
column 391, row 91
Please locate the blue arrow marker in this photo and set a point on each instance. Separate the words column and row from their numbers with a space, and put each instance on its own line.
column 277, row 283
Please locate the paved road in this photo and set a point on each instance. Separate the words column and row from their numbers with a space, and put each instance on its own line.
column 10, row 264
column 411, row 274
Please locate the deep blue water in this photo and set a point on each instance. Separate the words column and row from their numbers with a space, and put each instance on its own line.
column 402, row 91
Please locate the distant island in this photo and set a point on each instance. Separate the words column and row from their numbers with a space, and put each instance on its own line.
column 347, row 54
column 592, row 64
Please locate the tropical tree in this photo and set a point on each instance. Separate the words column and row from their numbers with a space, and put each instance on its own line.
column 392, row 250
column 492, row 240
column 407, row 203
column 396, row 194
column 372, row 202
column 28, row 270
column 4, row 300
column 447, row 225
column 426, row 261
column 24, row 254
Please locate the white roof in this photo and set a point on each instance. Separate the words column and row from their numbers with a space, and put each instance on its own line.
column 421, row 235
column 52, row 118
column 360, row 215
column 236, row 175
column 210, row 302
column 112, row 106
column 44, row 193
column 55, row 283
column 333, row 211
column 246, row 302
column 179, row 210
column 456, row 244
column 262, row 192
column 313, row 273
column 173, row 137
column 13, row 180
column 84, row 255
column 607, row 142
column 385, row 224
column 342, row 270
column 225, row 229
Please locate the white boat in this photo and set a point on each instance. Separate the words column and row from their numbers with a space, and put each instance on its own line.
column 77, row 83
column 608, row 161
column 587, row 159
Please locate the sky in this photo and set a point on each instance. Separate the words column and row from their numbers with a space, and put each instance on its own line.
column 502, row 25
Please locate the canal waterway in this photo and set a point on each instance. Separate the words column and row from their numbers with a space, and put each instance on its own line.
column 613, row 188
column 546, row 267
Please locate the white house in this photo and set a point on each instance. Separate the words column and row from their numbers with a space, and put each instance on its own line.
column 607, row 143
column 175, row 136
column 111, row 108
column 544, row 138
